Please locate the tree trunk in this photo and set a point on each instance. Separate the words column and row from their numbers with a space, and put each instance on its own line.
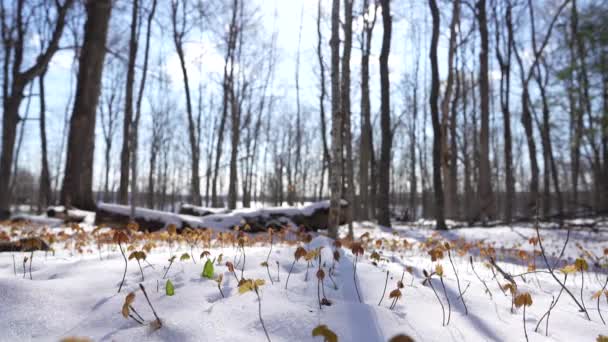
column 346, row 118
column 384, row 215
column 505, row 90
column 485, row 200
column 78, row 180
column 366, row 123
column 125, row 154
column 44, row 197
column 437, row 136
column 326, row 155
column 450, row 197
column 335, row 183
column 178, row 39
column 135, row 127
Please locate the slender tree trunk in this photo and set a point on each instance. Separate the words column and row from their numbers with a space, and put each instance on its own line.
column 178, row 39
column 437, row 136
column 366, row 122
column 125, row 154
column 78, row 180
column 384, row 215
column 346, row 119
column 485, row 200
column 450, row 197
column 505, row 90
column 322, row 95
column 335, row 183
column 135, row 127
column 44, row 197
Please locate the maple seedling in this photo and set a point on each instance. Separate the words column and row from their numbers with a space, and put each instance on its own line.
column 247, row 285
column 582, row 266
column 320, row 284
column 428, row 280
column 127, row 308
column 439, row 272
column 384, row 291
column 138, row 255
column 448, row 248
column 299, row 253
column 171, row 260
column 230, row 267
column 524, row 299
column 119, row 238
column 598, row 295
column 218, row 280
column 31, row 245
column 323, row 331
column 357, row 249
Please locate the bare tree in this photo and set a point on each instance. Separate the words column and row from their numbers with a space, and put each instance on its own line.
column 437, row 136
column 16, row 77
column 78, row 180
column 181, row 25
column 335, row 183
column 383, row 199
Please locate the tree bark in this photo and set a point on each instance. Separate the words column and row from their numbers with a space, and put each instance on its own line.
column 44, row 197
column 485, row 198
column 450, row 197
column 384, row 215
column 437, row 136
column 346, row 119
column 365, row 147
column 322, row 95
column 336, row 129
column 505, row 90
column 78, row 180
column 125, row 154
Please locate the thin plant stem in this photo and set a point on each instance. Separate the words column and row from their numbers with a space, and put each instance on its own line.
column 289, row 274
column 167, row 270
column 260, row 314
column 151, row 307
column 466, row 310
column 384, row 291
column 125, row 273
column 140, row 270
column 598, row 301
column 31, row 259
column 525, row 332
column 447, row 298
column 355, row 278
column 438, row 299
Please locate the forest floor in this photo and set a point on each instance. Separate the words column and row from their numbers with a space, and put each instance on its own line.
column 73, row 291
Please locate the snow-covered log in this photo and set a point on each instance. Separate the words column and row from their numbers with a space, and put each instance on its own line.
column 314, row 216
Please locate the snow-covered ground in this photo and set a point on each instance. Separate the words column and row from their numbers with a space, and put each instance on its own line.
column 74, row 291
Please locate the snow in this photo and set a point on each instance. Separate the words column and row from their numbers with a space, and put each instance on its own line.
column 74, row 294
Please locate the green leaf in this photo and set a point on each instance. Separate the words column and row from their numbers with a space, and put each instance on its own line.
column 169, row 289
column 208, row 270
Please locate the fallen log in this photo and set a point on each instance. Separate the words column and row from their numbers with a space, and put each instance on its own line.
column 24, row 245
